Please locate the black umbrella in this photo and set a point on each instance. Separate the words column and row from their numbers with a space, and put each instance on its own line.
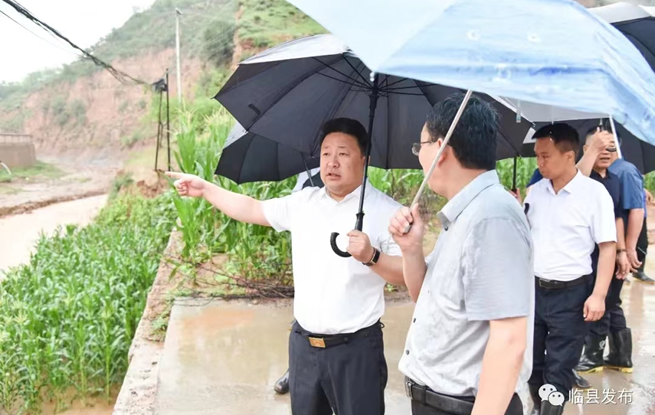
column 286, row 93
column 637, row 23
column 248, row 157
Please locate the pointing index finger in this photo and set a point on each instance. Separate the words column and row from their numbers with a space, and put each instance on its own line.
column 173, row 174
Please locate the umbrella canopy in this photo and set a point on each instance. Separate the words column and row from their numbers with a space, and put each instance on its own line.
column 248, row 157
column 286, row 93
column 637, row 23
column 552, row 53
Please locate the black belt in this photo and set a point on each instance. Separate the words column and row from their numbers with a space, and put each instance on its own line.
column 426, row 396
column 558, row 285
column 323, row 341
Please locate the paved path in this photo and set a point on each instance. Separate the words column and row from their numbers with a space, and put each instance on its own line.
column 223, row 357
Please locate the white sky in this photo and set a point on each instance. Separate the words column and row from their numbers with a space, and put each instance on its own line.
column 84, row 22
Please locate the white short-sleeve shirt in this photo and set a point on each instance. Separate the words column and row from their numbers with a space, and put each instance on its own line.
column 333, row 294
column 566, row 226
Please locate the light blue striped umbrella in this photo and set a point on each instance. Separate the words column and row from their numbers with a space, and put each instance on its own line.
column 551, row 58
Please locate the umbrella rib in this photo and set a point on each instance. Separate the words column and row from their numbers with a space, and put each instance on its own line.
column 404, row 93
column 358, row 73
column 388, row 131
column 399, row 88
column 342, row 74
column 281, row 96
column 397, row 82
column 277, row 150
column 339, row 80
column 247, row 151
column 385, row 82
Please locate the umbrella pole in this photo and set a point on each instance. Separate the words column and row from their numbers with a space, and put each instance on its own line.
column 373, row 103
column 616, row 137
column 309, row 172
column 514, row 175
column 460, row 111
column 359, row 224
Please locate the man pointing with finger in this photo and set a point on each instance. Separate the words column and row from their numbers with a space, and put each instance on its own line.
column 336, row 352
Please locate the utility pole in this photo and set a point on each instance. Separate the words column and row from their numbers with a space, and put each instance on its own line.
column 178, row 13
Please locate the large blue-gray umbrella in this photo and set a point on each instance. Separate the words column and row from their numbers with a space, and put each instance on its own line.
column 286, row 93
column 637, row 23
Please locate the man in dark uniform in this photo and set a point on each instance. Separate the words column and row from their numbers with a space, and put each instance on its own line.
column 596, row 164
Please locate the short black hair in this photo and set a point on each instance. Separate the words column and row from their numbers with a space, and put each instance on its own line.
column 474, row 138
column 566, row 138
column 345, row 126
column 602, row 127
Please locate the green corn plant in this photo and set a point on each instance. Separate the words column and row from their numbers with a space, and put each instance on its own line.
column 67, row 317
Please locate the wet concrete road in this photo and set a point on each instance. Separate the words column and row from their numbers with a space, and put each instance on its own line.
column 223, row 358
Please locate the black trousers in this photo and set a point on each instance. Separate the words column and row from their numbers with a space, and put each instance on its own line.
column 642, row 245
column 515, row 408
column 559, row 332
column 348, row 378
column 614, row 318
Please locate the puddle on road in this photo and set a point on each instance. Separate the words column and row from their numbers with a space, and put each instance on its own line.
column 19, row 233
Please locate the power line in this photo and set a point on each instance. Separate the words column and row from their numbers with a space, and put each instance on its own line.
column 118, row 74
column 46, row 41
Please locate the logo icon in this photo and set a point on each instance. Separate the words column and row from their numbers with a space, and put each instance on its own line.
column 549, row 393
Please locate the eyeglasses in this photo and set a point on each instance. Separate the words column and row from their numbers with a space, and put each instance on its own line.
column 416, row 147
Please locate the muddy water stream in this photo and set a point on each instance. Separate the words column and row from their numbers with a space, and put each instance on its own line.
column 19, row 233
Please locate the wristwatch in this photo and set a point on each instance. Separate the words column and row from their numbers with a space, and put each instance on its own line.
column 375, row 259
column 618, row 251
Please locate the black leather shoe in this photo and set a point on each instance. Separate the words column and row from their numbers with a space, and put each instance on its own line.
column 581, row 382
column 536, row 399
column 642, row 277
column 548, row 409
column 620, row 357
column 592, row 358
column 282, row 384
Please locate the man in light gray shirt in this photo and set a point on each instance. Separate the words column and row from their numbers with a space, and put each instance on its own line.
column 470, row 341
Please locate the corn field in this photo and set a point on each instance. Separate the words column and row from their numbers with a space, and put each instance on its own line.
column 68, row 317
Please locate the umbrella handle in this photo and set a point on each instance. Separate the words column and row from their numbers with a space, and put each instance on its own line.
column 359, row 225
column 335, row 247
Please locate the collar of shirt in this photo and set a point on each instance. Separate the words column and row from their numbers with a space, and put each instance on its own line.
column 570, row 187
column 596, row 176
column 325, row 193
column 457, row 204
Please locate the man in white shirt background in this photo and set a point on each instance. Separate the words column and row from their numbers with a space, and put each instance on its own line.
column 336, row 351
column 568, row 214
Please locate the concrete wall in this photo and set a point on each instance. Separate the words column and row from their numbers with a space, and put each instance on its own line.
column 17, row 155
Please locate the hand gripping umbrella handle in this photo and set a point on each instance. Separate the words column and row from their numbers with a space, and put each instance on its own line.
column 359, row 225
column 460, row 111
column 335, row 247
